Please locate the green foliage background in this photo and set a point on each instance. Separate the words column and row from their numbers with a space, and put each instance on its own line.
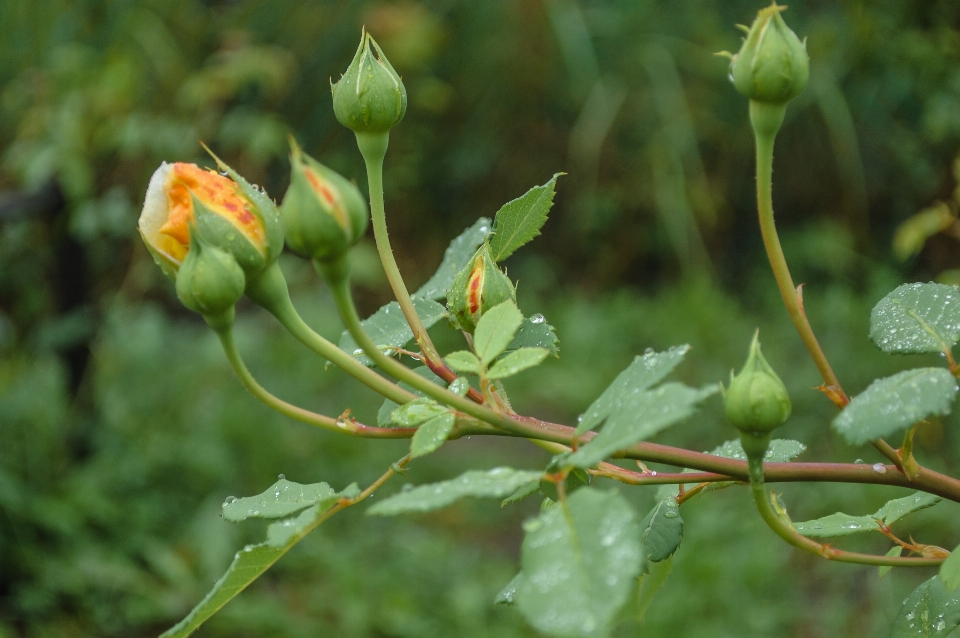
column 122, row 428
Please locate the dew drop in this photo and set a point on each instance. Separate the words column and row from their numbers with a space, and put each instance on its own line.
column 230, row 500
column 281, row 477
column 817, row 525
column 859, row 461
column 537, row 318
column 648, row 351
column 653, row 473
column 880, row 468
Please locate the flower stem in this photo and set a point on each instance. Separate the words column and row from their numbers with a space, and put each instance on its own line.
column 294, row 412
column 766, row 120
column 788, row 533
column 270, row 291
column 373, row 147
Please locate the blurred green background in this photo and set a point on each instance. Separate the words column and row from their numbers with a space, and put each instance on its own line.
column 122, row 428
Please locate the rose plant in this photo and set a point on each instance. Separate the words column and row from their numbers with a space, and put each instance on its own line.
column 589, row 551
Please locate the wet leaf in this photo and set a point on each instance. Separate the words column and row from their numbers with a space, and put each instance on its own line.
column 250, row 562
column 432, row 434
column 517, row 361
column 917, row 318
column 522, row 492
column 580, row 561
column 455, row 259
column 507, row 595
column 495, row 331
column 495, row 483
column 928, row 611
column 779, row 451
column 639, row 415
column 416, row 412
column 662, row 530
column 895, row 403
column 520, row 220
column 642, row 374
column 535, row 332
column 387, row 327
column 388, row 406
column 950, row 570
column 463, row 361
column 281, row 499
column 841, row 524
column 896, row 550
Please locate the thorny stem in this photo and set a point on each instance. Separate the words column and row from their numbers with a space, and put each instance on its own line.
column 787, row 532
column 373, row 147
column 349, row 426
column 766, row 120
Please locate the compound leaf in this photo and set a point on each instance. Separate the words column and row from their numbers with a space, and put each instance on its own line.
column 638, row 416
column 253, row 560
column 580, row 560
column 930, row 610
column 455, row 259
column 643, row 373
column 895, row 403
column 917, row 318
column 389, row 329
column 496, row 483
column 520, row 220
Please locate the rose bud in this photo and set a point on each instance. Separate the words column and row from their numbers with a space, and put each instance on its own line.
column 210, row 281
column 756, row 402
column 228, row 213
column 481, row 285
column 772, row 65
column 323, row 213
column 369, row 97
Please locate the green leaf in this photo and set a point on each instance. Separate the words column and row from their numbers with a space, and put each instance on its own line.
column 520, row 220
column 917, row 318
column 495, row 483
column 463, row 361
column 495, row 331
column 535, row 332
column 643, row 373
column 896, row 550
column 662, row 530
column 896, row 403
column 416, row 412
column 455, row 259
column 896, row 509
column 507, row 595
column 522, row 492
column 432, row 434
column 638, row 416
column 950, row 570
column 281, row 499
column 250, row 562
column 517, row 361
column 779, row 451
column 388, row 406
column 580, row 560
column 388, row 328
column 650, row 583
column 929, row 611
column 841, row 524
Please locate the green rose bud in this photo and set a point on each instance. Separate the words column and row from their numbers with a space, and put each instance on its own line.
column 210, row 281
column 324, row 214
column 369, row 97
column 478, row 288
column 772, row 65
column 756, row 401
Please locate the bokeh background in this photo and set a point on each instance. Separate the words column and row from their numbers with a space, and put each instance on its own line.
column 122, row 428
